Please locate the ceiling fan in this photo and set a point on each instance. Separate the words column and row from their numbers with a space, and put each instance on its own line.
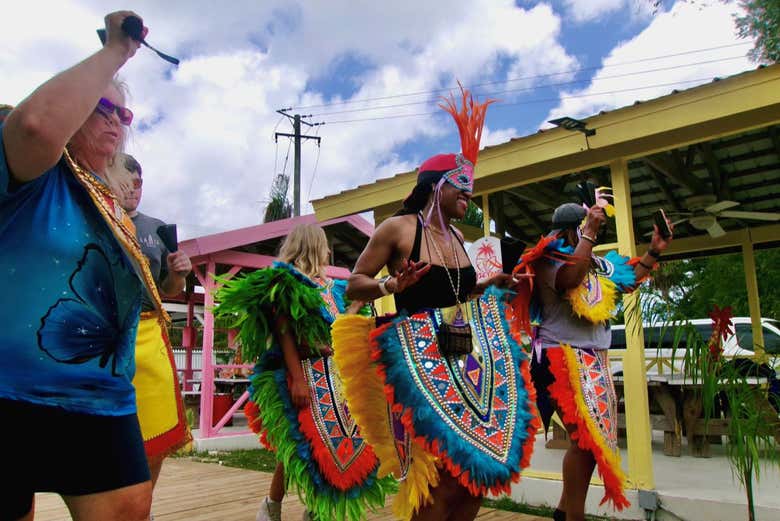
column 704, row 211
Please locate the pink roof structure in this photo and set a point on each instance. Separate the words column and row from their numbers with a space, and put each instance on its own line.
column 231, row 252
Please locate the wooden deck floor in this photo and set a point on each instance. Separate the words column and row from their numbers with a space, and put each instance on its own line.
column 194, row 491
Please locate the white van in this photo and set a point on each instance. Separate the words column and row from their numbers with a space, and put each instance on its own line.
column 660, row 339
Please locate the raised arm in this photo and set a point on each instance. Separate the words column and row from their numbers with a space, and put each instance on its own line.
column 657, row 246
column 37, row 131
column 572, row 275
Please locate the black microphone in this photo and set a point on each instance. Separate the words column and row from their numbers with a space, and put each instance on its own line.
column 133, row 27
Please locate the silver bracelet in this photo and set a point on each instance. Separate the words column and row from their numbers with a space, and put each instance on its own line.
column 383, row 287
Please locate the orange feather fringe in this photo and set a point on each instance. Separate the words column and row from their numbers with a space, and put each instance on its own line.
column 586, row 436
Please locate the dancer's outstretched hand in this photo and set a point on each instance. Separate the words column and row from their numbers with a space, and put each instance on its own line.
column 500, row 280
column 408, row 275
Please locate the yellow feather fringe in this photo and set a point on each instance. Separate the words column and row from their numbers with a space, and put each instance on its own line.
column 365, row 395
column 612, row 457
column 602, row 311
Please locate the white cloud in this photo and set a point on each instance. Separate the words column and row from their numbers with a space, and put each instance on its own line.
column 586, row 10
column 204, row 131
column 684, row 28
column 580, row 11
column 497, row 137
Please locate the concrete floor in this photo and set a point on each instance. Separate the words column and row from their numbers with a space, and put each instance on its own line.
column 689, row 489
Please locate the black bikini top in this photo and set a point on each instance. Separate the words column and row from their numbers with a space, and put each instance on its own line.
column 434, row 290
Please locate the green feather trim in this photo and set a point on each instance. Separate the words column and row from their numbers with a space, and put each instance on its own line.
column 253, row 302
column 292, row 451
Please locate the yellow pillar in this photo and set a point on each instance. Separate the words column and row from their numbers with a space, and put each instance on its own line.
column 486, row 215
column 386, row 304
column 754, row 302
column 638, row 432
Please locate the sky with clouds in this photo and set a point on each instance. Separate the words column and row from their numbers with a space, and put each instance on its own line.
column 371, row 71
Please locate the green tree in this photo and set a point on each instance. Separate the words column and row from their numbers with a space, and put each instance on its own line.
column 762, row 23
column 473, row 215
column 279, row 206
column 692, row 286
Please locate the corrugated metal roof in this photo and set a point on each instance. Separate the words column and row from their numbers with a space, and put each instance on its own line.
column 674, row 92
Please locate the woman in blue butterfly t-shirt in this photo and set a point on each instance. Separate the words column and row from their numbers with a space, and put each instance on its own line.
column 71, row 275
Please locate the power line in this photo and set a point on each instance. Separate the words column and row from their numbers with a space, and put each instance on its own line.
column 276, row 147
column 316, row 164
column 286, row 157
column 527, row 102
column 536, row 87
column 297, row 120
column 524, row 78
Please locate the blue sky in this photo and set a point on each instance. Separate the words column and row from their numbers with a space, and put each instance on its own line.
column 204, row 131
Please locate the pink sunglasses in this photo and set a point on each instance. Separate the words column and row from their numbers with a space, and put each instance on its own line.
column 107, row 107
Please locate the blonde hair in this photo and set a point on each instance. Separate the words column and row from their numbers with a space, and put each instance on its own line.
column 306, row 248
column 122, row 88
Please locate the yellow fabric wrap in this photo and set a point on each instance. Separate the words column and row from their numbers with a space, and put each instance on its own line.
column 365, row 396
column 157, row 389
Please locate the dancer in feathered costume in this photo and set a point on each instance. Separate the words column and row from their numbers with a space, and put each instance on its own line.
column 442, row 389
column 575, row 293
column 284, row 315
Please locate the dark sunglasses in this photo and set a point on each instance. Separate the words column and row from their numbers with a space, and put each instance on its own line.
column 107, row 107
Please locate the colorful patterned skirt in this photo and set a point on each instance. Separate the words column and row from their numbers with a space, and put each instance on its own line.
column 160, row 408
column 471, row 415
column 325, row 457
column 580, row 383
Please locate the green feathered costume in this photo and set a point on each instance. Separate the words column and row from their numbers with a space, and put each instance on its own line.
column 324, row 456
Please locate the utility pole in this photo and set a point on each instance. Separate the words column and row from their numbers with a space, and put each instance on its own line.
column 297, row 119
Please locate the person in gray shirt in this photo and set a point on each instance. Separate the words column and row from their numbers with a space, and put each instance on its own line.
column 576, row 293
column 160, row 408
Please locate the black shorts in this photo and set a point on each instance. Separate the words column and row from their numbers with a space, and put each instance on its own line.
column 49, row 449
column 543, row 378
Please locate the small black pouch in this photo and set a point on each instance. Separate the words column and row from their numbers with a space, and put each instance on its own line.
column 455, row 338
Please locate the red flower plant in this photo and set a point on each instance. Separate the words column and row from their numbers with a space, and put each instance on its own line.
column 722, row 327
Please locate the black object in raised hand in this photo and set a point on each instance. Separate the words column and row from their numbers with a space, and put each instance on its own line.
column 168, row 235
column 587, row 192
column 134, row 27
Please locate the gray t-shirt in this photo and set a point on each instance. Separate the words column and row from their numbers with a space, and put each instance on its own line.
column 559, row 323
column 154, row 249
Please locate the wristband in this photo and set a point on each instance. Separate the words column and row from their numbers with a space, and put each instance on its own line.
column 383, row 287
column 648, row 268
column 654, row 253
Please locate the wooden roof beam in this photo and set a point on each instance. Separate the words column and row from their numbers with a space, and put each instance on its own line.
column 718, row 175
column 775, row 138
column 530, row 194
column 522, row 208
column 674, row 170
column 517, row 232
column 662, row 184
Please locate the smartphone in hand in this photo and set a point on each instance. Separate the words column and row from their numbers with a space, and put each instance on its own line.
column 169, row 237
column 660, row 220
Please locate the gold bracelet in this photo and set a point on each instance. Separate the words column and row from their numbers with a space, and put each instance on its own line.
column 589, row 239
